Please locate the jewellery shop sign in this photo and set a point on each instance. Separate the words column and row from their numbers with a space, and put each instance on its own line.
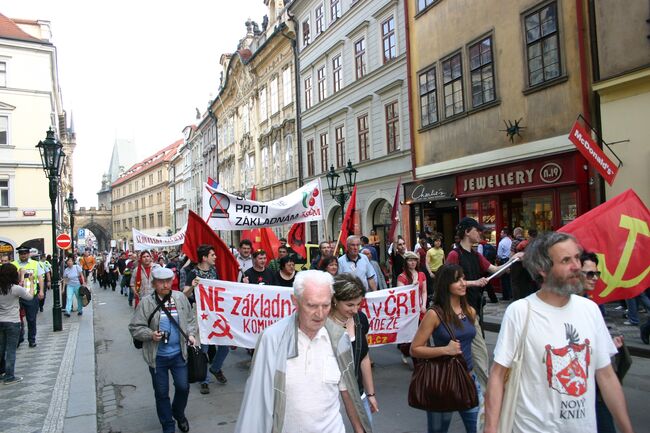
column 225, row 211
column 235, row 314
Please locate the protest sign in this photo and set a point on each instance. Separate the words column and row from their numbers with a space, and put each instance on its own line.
column 225, row 211
column 143, row 241
column 235, row 314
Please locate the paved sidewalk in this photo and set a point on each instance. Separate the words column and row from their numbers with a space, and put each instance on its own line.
column 58, row 390
column 493, row 315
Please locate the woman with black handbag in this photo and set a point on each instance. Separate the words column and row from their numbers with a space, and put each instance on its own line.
column 443, row 381
column 168, row 337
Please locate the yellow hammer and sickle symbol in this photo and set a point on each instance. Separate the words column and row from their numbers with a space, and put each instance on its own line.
column 635, row 228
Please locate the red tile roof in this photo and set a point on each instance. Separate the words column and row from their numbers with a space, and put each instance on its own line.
column 163, row 155
column 9, row 30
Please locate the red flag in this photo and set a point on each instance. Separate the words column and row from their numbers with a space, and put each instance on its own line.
column 296, row 239
column 253, row 235
column 199, row 233
column 394, row 214
column 617, row 231
column 269, row 242
column 347, row 227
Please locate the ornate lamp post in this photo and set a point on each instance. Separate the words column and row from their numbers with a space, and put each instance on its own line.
column 52, row 157
column 71, row 204
column 339, row 193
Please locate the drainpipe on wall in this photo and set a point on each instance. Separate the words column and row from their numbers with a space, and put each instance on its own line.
column 409, row 83
column 296, row 62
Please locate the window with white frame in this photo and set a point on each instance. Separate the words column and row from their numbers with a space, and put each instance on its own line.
column 360, row 57
column 363, row 137
column 452, row 80
column 266, row 178
column 4, row 130
column 288, row 156
column 307, row 93
column 337, row 74
column 275, row 104
column 4, row 192
column 245, row 116
column 310, row 157
column 286, row 86
column 262, row 100
column 323, row 153
column 423, row 4
column 305, row 33
column 231, row 129
column 392, row 126
column 319, row 19
column 389, row 43
column 339, row 136
column 3, row 74
column 322, row 83
column 335, row 9
column 275, row 154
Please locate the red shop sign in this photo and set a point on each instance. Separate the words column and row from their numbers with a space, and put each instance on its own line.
column 592, row 153
column 541, row 173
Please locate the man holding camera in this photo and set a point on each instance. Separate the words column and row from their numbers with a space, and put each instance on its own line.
column 32, row 280
column 156, row 323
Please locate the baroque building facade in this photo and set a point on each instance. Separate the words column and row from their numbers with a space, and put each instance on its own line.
column 30, row 104
column 141, row 198
column 493, row 98
column 354, row 104
column 255, row 113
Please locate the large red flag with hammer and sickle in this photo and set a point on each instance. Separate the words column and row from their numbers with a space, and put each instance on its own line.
column 617, row 231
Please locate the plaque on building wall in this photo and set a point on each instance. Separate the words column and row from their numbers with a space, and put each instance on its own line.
column 437, row 189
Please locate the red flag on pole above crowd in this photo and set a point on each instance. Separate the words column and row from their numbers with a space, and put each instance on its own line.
column 269, row 242
column 296, row 239
column 394, row 214
column 617, row 231
column 347, row 227
column 199, row 233
column 253, row 235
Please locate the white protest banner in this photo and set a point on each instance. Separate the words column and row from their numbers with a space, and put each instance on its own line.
column 235, row 314
column 225, row 211
column 143, row 241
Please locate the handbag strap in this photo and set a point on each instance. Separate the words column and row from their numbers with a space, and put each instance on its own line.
column 524, row 334
column 449, row 331
column 171, row 318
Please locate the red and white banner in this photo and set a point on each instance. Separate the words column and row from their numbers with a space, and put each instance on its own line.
column 586, row 145
column 143, row 241
column 235, row 314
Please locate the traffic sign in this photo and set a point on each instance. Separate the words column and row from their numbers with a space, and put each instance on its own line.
column 63, row 241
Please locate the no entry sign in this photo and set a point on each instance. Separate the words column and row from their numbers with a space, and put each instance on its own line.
column 63, row 241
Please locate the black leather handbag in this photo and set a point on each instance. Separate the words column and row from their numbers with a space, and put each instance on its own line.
column 442, row 384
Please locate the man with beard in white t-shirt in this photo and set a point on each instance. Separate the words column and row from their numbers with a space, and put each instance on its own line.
column 567, row 348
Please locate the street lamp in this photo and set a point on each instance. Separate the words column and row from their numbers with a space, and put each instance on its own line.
column 71, row 203
column 52, row 157
column 338, row 193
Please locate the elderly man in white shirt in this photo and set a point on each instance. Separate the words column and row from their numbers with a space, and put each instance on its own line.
column 302, row 364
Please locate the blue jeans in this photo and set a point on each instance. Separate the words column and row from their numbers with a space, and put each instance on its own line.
column 438, row 422
column 217, row 362
column 31, row 311
column 71, row 292
column 167, row 411
column 9, row 333
column 632, row 307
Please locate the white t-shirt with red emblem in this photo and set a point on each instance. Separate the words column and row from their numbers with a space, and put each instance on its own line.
column 564, row 348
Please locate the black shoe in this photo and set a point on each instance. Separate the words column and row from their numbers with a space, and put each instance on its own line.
column 66, row 314
column 645, row 334
column 183, row 425
column 80, row 313
column 32, row 344
column 41, row 309
column 205, row 388
column 221, row 378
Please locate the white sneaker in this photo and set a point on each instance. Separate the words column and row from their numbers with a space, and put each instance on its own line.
column 628, row 323
column 620, row 307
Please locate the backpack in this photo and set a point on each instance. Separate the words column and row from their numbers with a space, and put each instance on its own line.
column 490, row 252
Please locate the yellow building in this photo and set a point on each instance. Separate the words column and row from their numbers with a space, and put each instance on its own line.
column 30, row 103
column 622, row 82
column 495, row 87
column 140, row 198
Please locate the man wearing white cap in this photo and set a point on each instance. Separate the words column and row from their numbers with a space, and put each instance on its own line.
column 156, row 323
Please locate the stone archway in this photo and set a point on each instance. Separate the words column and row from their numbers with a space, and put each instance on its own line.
column 97, row 221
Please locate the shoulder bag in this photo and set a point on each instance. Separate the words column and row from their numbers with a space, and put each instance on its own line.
column 513, row 378
column 138, row 343
column 442, row 384
column 197, row 361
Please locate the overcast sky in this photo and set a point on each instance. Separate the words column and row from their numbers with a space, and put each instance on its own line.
column 135, row 69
